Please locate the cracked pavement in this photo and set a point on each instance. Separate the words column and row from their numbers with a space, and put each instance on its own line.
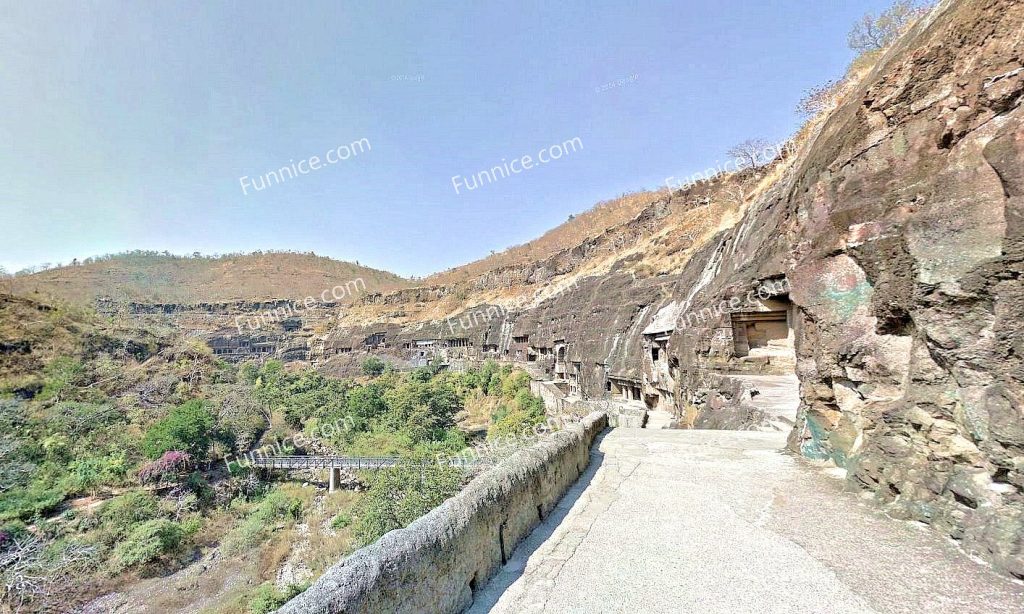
column 725, row 521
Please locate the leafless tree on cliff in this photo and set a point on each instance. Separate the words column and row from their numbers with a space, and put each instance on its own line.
column 872, row 33
column 820, row 99
column 750, row 152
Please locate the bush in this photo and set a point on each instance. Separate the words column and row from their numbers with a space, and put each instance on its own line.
column 172, row 464
column 189, row 428
column 266, row 598
column 146, row 543
column 341, row 521
column 399, row 495
column 24, row 503
column 373, row 366
column 84, row 475
column 60, row 375
column 275, row 507
column 121, row 515
column 526, row 411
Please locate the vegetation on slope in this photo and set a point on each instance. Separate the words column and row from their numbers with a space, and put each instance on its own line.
column 115, row 446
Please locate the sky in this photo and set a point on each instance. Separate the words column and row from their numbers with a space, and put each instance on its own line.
column 131, row 125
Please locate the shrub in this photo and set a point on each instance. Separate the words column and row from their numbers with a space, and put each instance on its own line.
column 122, row 514
column 399, row 495
column 341, row 521
column 820, row 99
column 172, row 464
column 146, row 543
column 23, row 503
column 275, row 507
column 60, row 375
column 373, row 366
column 84, row 475
column 266, row 598
column 189, row 428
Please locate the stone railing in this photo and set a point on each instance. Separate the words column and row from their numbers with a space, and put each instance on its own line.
column 439, row 562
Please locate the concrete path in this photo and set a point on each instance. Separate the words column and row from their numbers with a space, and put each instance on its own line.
column 777, row 395
column 658, row 419
column 723, row 521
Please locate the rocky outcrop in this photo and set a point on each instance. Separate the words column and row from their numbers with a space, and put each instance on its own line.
column 907, row 269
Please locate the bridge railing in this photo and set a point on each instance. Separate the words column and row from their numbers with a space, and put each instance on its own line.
column 355, row 463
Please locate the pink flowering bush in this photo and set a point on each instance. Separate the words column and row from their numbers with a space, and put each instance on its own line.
column 171, row 464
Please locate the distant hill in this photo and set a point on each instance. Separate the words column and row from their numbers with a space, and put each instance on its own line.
column 153, row 277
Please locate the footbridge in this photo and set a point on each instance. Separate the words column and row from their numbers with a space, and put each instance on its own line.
column 335, row 464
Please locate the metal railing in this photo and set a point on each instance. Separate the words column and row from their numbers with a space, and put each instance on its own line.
column 354, row 463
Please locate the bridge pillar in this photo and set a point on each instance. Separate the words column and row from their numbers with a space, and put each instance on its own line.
column 332, row 479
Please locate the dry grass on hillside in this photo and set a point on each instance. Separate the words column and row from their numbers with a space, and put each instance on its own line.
column 589, row 224
column 157, row 278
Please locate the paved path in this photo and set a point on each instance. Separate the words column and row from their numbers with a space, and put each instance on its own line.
column 722, row 521
column 777, row 395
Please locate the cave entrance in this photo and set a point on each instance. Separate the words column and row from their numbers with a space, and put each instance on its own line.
column 764, row 335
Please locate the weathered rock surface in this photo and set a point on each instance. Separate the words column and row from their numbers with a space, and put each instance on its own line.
column 893, row 237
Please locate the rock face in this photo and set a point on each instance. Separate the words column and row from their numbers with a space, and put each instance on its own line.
column 905, row 226
column 886, row 254
column 898, row 230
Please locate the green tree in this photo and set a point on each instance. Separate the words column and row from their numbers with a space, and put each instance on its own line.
column 366, row 403
column 424, row 410
column 515, row 383
column 188, row 428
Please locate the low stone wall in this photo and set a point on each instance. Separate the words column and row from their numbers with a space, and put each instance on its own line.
column 441, row 559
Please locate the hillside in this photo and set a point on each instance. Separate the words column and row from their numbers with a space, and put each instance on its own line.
column 150, row 277
column 587, row 225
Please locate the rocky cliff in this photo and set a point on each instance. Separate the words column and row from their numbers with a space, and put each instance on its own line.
column 882, row 259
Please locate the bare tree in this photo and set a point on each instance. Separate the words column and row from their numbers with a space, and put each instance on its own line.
column 750, row 152
column 872, row 33
column 6, row 277
column 30, row 571
column 820, row 99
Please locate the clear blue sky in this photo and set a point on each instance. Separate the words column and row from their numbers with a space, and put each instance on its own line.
column 128, row 125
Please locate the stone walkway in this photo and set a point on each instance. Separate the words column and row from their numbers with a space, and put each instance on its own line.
column 723, row 521
column 777, row 395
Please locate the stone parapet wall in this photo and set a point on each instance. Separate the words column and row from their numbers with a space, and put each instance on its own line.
column 441, row 559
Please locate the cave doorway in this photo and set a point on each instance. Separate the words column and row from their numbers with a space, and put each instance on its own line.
column 764, row 335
